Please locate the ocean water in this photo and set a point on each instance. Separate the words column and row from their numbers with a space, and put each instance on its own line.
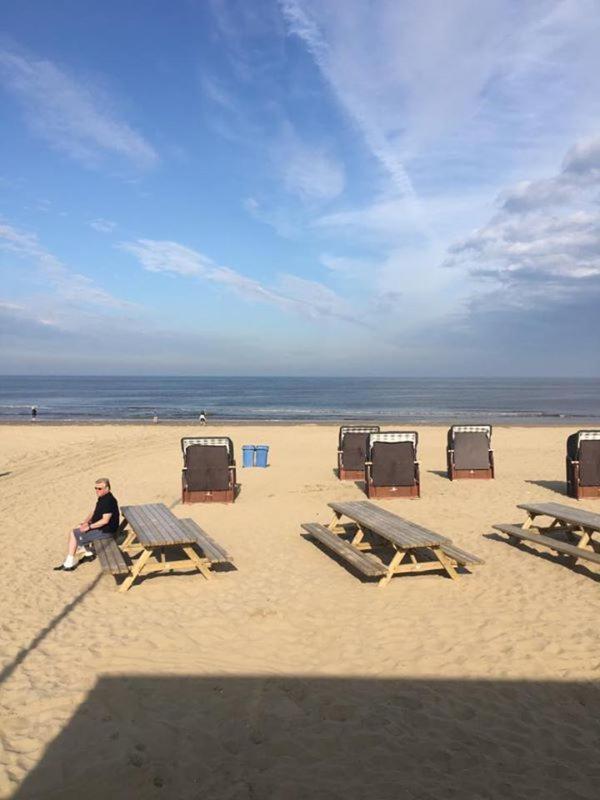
column 299, row 399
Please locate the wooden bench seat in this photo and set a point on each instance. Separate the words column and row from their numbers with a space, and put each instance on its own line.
column 212, row 551
column 110, row 557
column 547, row 541
column 364, row 563
column 459, row 555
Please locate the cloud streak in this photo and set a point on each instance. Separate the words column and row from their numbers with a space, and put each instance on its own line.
column 71, row 117
column 290, row 293
column 70, row 286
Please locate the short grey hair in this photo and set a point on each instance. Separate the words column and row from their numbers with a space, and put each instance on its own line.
column 105, row 481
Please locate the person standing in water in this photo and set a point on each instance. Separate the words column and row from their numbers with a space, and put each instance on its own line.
column 33, row 413
column 202, row 418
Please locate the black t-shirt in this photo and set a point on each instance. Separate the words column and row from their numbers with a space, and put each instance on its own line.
column 107, row 504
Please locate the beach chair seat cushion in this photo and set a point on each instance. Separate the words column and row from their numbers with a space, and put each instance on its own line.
column 393, row 463
column 589, row 463
column 354, row 451
column 207, row 468
column 471, row 450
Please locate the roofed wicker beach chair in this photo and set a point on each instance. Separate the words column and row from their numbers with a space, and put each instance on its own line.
column 583, row 464
column 208, row 473
column 352, row 451
column 391, row 468
column 469, row 452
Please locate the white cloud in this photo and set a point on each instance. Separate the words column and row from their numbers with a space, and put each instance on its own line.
column 349, row 267
column 386, row 219
column 291, row 293
column 580, row 171
column 464, row 80
column 103, row 225
column 70, row 287
column 308, row 171
column 544, row 243
column 73, row 118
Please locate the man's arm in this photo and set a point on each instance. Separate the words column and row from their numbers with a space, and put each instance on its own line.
column 100, row 523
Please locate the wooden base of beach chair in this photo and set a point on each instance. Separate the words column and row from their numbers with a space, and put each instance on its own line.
column 586, row 492
column 476, row 474
column 393, row 491
column 351, row 474
column 225, row 496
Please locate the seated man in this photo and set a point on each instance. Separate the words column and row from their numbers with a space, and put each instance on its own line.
column 101, row 523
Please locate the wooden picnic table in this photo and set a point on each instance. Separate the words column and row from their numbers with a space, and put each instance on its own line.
column 374, row 530
column 155, row 531
column 576, row 524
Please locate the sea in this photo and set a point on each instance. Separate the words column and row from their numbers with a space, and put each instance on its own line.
column 279, row 399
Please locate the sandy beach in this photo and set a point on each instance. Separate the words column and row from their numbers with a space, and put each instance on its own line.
column 290, row 677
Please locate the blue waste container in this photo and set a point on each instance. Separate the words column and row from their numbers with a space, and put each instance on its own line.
column 262, row 455
column 248, row 455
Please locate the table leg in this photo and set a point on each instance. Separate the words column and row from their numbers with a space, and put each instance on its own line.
column 137, row 569
column 334, row 522
column 529, row 521
column 197, row 561
column 396, row 559
column 444, row 561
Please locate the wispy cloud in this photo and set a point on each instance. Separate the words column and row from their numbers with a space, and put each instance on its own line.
column 308, row 171
column 69, row 286
column 290, row 293
column 72, row 117
column 431, row 83
column 103, row 225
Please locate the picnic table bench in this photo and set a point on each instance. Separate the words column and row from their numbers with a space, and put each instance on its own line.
column 110, row 557
column 155, row 531
column 373, row 530
column 578, row 525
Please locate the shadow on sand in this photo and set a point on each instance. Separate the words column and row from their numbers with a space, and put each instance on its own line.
column 301, row 738
column 560, row 487
column 546, row 555
column 441, row 473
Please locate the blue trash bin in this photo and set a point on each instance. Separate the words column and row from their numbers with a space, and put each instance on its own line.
column 262, row 455
column 248, row 455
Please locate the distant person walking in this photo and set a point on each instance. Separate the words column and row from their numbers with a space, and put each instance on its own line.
column 202, row 418
column 33, row 413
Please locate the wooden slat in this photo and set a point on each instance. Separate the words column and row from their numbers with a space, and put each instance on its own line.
column 362, row 562
column 400, row 531
column 155, row 525
column 213, row 551
column 576, row 516
column 459, row 555
column 110, row 557
column 547, row 541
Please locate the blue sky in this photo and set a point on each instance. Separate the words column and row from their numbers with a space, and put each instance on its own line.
column 293, row 187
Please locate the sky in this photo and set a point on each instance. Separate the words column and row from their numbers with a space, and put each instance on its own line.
column 300, row 187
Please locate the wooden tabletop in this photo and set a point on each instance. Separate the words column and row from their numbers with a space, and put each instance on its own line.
column 576, row 516
column 156, row 526
column 400, row 531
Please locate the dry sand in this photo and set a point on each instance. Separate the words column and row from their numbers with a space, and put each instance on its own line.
column 291, row 677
